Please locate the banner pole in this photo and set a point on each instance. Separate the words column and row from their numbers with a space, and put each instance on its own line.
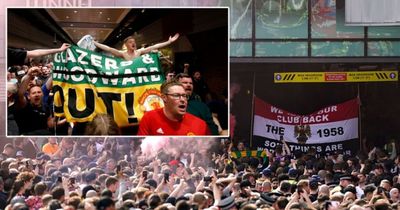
column 359, row 117
column 252, row 111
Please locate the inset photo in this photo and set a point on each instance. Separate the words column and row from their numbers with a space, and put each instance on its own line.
column 117, row 71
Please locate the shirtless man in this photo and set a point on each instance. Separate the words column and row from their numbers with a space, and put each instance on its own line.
column 132, row 52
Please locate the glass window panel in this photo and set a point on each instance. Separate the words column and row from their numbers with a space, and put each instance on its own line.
column 327, row 21
column 337, row 49
column 289, row 49
column 240, row 18
column 281, row 19
column 384, row 32
column 384, row 48
column 241, row 49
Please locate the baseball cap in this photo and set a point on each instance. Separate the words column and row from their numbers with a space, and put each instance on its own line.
column 226, row 203
column 90, row 177
column 43, row 157
column 173, row 162
column 313, row 183
column 39, row 154
column 20, row 154
column 346, row 177
column 316, row 177
column 266, row 172
column 292, row 172
column 264, row 197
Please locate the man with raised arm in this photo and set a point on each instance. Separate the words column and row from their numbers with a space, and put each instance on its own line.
column 132, row 51
column 20, row 57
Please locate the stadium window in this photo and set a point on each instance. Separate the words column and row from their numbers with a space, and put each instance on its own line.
column 284, row 49
column 337, row 49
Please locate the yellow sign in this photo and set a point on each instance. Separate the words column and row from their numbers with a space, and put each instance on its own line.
column 358, row 76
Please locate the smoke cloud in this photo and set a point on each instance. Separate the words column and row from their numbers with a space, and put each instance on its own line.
column 152, row 146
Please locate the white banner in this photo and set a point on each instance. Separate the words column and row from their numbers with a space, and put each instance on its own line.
column 319, row 133
column 329, row 129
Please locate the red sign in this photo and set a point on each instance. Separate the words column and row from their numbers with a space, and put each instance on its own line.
column 335, row 77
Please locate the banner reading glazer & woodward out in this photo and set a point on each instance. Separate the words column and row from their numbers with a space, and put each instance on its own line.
column 87, row 83
column 329, row 130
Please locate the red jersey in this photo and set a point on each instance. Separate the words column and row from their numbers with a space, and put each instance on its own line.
column 156, row 123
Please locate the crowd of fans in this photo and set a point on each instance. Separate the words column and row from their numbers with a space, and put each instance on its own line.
column 121, row 173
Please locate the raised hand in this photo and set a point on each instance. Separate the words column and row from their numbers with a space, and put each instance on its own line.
column 64, row 46
column 34, row 71
column 173, row 38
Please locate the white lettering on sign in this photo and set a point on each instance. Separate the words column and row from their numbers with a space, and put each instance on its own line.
column 58, row 3
column 302, row 120
column 327, row 110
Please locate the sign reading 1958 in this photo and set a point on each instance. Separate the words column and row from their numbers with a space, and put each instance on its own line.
column 330, row 132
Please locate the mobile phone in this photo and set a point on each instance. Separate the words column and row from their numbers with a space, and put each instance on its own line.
column 144, row 175
column 380, row 190
column 166, row 177
column 207, row 178
column 299, row 189
column 118, row 169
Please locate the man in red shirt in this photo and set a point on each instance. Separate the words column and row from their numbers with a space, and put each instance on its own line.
column 172, row 119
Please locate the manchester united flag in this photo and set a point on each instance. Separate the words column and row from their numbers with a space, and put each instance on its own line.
column 329, row 130
column 87, row 83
